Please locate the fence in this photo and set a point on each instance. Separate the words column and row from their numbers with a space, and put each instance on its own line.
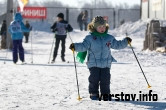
column 72, row 13
column 114, row 16
column 126, row 15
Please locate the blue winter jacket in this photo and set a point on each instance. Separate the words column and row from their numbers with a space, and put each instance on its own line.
column 17, row 27
column 99, row 53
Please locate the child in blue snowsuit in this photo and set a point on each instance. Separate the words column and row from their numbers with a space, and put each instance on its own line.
column 16, row 30
column 97, row 45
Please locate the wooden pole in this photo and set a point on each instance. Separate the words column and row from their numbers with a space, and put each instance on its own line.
column 9, row 18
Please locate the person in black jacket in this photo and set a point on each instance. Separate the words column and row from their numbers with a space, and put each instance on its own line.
column 3, row 35
column 26, row 34
column 85, row 19
column 60, row 27
column 80, row 21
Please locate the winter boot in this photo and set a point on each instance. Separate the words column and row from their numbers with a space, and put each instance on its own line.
column 94, row 96
column 53, row 60
column 14, row 62
column 63, row 59
column 23, row 62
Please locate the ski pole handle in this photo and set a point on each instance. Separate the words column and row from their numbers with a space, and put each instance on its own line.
column 129, row 43
column 73, row 50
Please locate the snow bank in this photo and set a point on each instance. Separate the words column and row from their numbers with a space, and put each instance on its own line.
column 132, row 28
column 43, row 86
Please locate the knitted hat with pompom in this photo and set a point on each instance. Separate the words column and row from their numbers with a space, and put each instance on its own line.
column 97, row 21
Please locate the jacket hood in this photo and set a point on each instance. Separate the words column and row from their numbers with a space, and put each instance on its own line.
column 91, row 28
column 18, row 17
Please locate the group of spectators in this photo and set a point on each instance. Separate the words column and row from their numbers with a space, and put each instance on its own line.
column 82, row 20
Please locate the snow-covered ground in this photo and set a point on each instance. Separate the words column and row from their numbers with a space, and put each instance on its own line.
column 43, row 86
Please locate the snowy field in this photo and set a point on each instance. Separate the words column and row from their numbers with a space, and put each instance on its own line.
column 43, row 86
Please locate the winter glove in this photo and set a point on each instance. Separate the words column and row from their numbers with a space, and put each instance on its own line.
column 72, row 47
column 129, row 40
column 53, row 30
column 69, row 28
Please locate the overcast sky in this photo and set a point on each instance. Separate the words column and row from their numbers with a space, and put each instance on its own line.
column 77, row 3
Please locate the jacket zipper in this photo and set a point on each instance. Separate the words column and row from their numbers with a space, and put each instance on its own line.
column 93, row 55
column 101, row 51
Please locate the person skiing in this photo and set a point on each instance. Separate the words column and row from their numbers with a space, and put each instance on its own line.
column 3, row 35
column 61, row 27
column 97, row 45
column 16, row 30
column 26, row 34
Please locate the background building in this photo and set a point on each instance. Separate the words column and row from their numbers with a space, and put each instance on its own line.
column 153, row 9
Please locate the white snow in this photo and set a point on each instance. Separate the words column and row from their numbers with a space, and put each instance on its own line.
column 43, row 86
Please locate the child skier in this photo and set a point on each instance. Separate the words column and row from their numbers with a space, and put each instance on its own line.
column 16, row 30
column 98, row 44
column 61, row 27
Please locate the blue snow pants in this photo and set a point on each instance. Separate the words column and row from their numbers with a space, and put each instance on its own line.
column 99, row 77
column 18, row 48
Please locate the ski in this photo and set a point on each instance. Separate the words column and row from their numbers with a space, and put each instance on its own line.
column 54, row 62
column 22, row 63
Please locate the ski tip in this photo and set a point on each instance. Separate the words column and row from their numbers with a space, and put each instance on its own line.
column 23, row 63
column 52, row 62
column 149, row 86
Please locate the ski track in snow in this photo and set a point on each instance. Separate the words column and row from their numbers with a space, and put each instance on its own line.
column 43, row 86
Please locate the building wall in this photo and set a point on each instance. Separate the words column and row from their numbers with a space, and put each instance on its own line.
column 153, row 9
column 144, row 10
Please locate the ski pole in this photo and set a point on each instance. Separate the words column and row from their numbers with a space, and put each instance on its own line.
column 139, row 65
column 51, row 50
column 31, row 51
column 6, row 53
column 79, row 98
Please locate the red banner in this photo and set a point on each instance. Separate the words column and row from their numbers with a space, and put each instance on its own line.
column 34, row 12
